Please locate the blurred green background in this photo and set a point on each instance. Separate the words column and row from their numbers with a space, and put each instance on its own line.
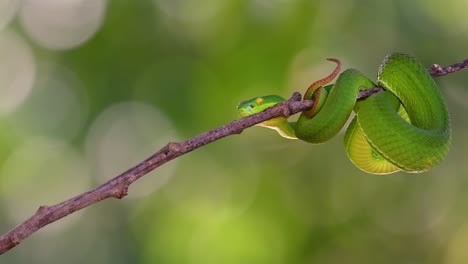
column 90, row 87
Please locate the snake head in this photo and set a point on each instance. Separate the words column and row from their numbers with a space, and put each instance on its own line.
column 258, row 104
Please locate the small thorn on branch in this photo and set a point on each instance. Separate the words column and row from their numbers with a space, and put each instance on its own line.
column 120, row 191
column 296, row 96
column 43, row 209
column 174, row 147
column 15, row 240
column 287, row 109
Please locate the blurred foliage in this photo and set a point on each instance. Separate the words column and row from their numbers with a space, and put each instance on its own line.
column 163, row 70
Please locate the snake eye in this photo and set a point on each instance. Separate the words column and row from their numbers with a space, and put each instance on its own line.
column 259, row 101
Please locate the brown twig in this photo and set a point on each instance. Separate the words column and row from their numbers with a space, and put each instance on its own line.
column 436, row 70
column 118, row 186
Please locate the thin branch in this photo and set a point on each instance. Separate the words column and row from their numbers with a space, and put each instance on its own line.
column 436, row 70
column 118, row 186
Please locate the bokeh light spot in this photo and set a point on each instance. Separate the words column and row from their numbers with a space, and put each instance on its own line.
column 59, row 25
column 8, row 10
column 212, row 186
column 57, row 104
column 17, row 71
column 125, row 134
column 42, row 171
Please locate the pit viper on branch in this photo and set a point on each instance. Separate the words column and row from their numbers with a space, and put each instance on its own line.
column 406, row 127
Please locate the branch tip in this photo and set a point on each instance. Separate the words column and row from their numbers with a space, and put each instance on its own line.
column 436, row 70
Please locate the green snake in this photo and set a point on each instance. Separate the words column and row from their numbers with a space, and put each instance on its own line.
column 406, row 127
